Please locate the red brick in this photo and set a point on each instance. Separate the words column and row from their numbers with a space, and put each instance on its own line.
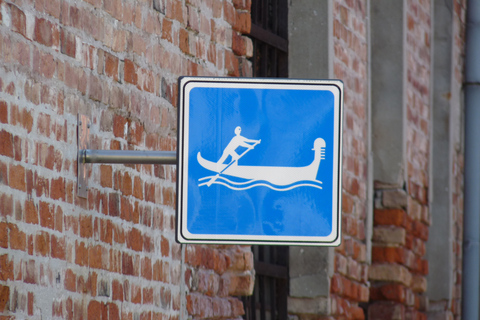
column 391, row 292
column 57, row 189
column 117, row 290
column 126, row 184
column 167, row 30
column 168, row 196
column 18, row 148
column 127, row 264
column 95, row 86
column 106, row 231
column 111, row 66
column 44, row 126
column 30, row 303
column 130, row 72
column 30, row 245
column 126, row 212
column 165, row 247
column 92, row 283
column 95, row 256
column 3, row 235
column 19, row 20
column 148, row 244
column 4, row 297
column 149, row 192
column 70, row 280
column 42, row 243
column 395, row 217
column 119, row 124
column 138, row 188
column 46, row 215
column 114, row 8
column 31, row 214
column 174, row 10
column 388, row 254
column 136, row 294
column 81, row 254
column 231, row 64
column 134, row 240
column 357, row 313
column 114, row 204
column 3, row 113
column 46, row 33
column 229, row 13
column 30, row 275
column 243, row 22
column 3, row 177
column 59, row 219
column 18, row 239
column 6, row 147
column 6, row 268
column 96, row 311
column 32, row 93
column 45, row 155
column 147, row 268
column 147, row 295
column 420, row 230
column 238, row 44
column 184, row 42
column 148, row 85
column 41, row 185
column 53, row 8
column 115, row 258
column 86, row 226
column 118, row 234
column 386, row 310
column 58, row 247
column 113, row 311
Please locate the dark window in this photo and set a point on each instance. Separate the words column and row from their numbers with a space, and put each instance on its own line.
column 269, row 299
column 270, row 38
column 270, row 59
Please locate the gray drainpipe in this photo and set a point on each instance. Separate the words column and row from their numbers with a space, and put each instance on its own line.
column 471, row 220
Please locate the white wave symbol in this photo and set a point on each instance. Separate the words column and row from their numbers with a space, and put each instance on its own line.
column 234, row 185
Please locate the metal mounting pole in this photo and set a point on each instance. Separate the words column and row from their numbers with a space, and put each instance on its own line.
column 128, row 156
column 86, row 155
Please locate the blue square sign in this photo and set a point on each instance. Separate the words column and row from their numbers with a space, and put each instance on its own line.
column 259, row 161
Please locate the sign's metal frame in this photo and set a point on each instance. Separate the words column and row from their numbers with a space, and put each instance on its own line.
column 182, row 234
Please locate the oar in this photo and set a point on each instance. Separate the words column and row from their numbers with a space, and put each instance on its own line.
column 209, row 183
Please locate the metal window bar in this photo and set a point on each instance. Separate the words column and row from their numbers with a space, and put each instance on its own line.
column 269, row 300
column 269, row 32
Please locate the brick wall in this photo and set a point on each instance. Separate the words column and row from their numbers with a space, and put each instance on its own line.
column 402, row 217
column 349, row 284
column 112, row 255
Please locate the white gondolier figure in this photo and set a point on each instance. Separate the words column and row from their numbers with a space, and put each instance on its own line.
column 237, row 141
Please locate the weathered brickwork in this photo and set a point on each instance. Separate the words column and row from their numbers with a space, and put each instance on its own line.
column 402, row 218
column 349, row 284
column 112, row 255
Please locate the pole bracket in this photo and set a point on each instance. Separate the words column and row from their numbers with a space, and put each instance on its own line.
column 86, row 155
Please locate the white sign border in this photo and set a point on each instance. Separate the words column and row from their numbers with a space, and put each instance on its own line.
column 186, row 84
